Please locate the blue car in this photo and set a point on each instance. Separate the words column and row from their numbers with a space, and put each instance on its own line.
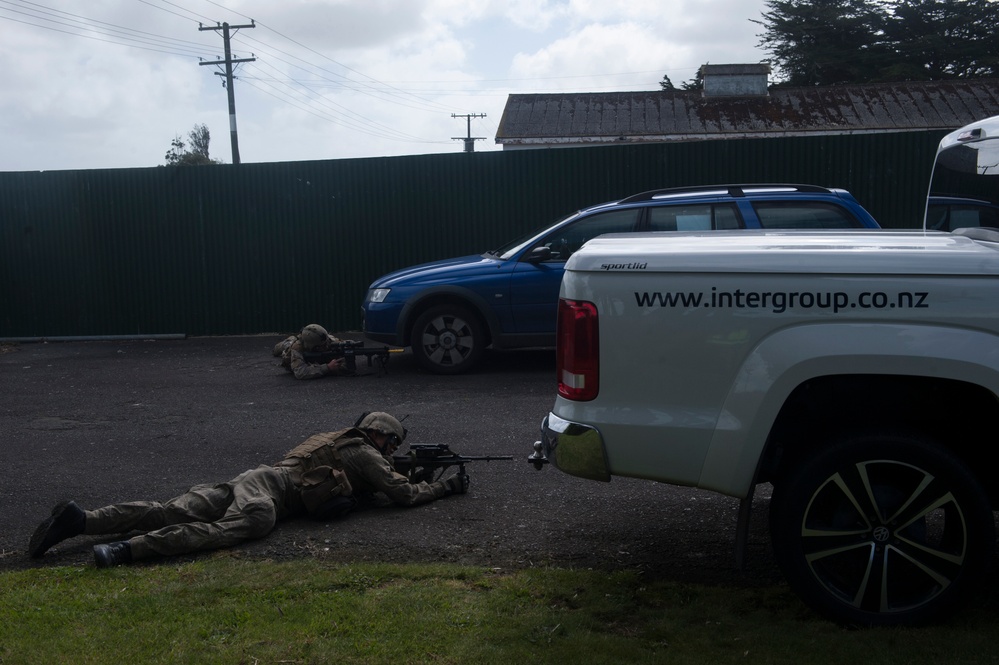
column 450, row 311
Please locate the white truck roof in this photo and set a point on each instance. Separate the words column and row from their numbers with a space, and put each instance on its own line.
column 829, row 252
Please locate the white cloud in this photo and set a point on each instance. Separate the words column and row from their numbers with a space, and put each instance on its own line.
column 336, row 25
column 94, row 101
column 620, row 37
column 624, row 47
column 333, row 78
column 532, row 15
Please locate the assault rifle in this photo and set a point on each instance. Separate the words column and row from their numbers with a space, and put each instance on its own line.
column 430, row 457
column 349, row 349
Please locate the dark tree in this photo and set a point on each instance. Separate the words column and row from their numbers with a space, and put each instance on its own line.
column 696, row 83
column 942, row 39
column 825, row 42
column 180, row 155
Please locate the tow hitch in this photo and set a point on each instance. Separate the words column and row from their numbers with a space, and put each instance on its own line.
column 537, row 458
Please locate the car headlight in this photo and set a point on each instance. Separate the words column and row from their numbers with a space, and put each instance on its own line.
column 378, row 295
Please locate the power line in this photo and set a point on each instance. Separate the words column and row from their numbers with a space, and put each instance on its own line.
column 324, row 56
column 342, row 113
column 119, row 35
column 364, row 87
column 109, row 32
column 205, row 18
column 324, row 116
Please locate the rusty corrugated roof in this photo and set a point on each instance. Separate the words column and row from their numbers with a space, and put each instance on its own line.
column 587, row 118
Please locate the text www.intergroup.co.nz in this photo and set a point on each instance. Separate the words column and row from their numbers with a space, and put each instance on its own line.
column 779, row 302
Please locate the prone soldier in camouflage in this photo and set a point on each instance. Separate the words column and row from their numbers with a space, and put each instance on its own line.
column 322, row 477
column 313, row 338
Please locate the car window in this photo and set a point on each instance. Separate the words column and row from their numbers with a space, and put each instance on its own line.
column 804, row 215
column 704, row 217
column 511, row 248
column 961, row 215
column 936, row 218
column 571, row 237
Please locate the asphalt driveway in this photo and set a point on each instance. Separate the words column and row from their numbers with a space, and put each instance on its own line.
column 110, row 421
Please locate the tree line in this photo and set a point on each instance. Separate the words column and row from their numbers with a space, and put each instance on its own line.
column 835, row 42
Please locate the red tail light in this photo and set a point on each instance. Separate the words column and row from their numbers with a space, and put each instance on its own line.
column 578, row 350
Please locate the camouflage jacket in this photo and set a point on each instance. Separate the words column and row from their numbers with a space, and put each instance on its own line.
column 366, row 469
column 293, row 360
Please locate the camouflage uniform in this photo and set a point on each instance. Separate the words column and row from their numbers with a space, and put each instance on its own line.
column 205, row 517
column 293, row 359
column 248, row 506
column 367, row 470
column 283, row 345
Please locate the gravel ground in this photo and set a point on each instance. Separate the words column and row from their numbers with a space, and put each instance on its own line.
column 110, row 421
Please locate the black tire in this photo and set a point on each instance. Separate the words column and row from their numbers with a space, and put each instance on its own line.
column 882, row 530
column 447, row 339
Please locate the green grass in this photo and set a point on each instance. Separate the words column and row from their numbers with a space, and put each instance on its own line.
column 227, row 610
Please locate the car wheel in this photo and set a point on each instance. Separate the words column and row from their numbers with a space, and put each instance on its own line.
column 882, row 530
column 447, row 339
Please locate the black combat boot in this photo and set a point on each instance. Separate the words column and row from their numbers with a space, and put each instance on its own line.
column 112, row 554
column 67, row 520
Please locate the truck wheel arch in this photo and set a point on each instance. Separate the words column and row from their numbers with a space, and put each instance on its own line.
column 791, row 359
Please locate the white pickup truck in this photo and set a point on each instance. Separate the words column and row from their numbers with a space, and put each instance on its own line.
column 856, row 372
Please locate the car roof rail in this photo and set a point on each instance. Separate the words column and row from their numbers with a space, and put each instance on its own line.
column 737, row 191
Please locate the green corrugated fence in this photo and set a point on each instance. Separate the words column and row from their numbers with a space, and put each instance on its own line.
column 219, row 250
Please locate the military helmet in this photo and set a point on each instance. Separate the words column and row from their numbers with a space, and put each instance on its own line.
column 382, row 422
column 313, row 336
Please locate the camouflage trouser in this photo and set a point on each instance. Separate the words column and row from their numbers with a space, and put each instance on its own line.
column 206, row 517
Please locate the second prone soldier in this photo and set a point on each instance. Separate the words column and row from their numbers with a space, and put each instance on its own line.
column 312, row 340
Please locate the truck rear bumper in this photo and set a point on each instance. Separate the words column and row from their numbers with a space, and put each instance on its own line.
column 574, row 448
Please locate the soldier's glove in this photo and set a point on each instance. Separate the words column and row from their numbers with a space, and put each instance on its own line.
column 456, row 484
column 423, row 475
column 339, row 367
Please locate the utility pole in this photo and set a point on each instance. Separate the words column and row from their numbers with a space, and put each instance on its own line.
column 229, row 62
column 469, row 139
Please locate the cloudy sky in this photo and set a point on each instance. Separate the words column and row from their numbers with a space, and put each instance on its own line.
column 110, row 83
